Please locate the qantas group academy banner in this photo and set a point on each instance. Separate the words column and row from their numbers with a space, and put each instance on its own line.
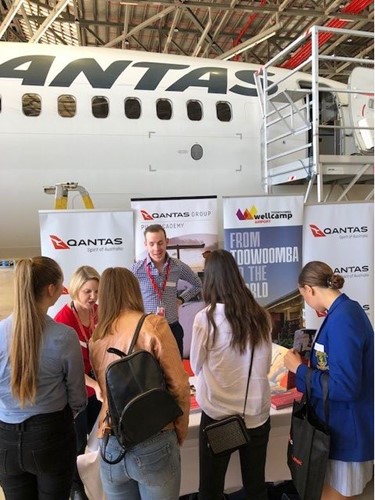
column 264, row 234
column 190, row 224
column 95, row 238
column 342, row 235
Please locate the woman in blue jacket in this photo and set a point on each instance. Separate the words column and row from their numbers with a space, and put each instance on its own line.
column 343, row 348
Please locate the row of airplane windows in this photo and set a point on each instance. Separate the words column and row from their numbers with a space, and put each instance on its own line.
column 67, row 107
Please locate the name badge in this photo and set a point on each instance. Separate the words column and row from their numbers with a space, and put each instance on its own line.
column 160, row 311
column 319, row 347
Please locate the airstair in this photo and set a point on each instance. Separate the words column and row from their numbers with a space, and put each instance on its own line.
column 61, row 192
column 316, row 131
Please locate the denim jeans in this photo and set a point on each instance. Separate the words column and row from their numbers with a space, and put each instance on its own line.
column 212, row 469
column 37, row 457
column 149, row 471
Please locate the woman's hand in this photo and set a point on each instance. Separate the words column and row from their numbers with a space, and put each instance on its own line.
column 292, row 360
column 90, row 382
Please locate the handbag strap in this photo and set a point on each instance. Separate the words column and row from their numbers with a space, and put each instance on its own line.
column 248, row 382
column 136, row 333
column 324, row 381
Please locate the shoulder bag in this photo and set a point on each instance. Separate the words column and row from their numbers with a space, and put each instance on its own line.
column 230, row 433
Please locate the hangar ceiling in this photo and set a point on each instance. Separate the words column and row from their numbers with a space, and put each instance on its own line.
column 203, row 28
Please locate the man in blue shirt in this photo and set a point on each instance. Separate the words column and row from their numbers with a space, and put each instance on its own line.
column 158, row 275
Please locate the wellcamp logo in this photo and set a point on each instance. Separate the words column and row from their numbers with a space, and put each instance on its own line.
column 347, row 231
column 252, row 214
column 59, row 244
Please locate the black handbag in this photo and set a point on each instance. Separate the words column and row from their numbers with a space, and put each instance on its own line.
column 230, row 433
column 139, row 404
column 309, row 444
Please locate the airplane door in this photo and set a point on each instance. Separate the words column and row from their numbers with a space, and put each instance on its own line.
column 361, row 107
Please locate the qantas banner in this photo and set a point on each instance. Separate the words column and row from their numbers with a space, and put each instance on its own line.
column 342, row 235
column 95, row 238
column 264, row 234
column 190, row 224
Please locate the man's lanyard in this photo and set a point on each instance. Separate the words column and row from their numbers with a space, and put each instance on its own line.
column 81, row 327
column 159, row 291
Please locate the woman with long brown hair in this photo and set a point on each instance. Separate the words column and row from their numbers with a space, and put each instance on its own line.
column 231, row 328
column 150, row 469
column 41, row 388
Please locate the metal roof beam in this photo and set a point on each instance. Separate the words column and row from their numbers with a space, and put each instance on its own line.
column 55, row 12
column 10, row 15
column 135, row 30
column 265, row 9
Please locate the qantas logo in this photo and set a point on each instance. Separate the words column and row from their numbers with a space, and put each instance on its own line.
column 319, row 233
column 163, row 215
column 146, row 215
column 35, row 70
column 58, row 243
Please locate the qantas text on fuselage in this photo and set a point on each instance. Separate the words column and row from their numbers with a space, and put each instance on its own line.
column 35, row 69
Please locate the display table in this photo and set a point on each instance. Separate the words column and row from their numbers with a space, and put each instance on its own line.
column 276, row 465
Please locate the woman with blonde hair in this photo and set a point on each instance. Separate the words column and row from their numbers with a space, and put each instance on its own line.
column 41, row 388
column 81, row 314
column 150, row 469
column 230, row 335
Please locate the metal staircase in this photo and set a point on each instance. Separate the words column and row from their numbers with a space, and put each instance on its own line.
column 311, row 134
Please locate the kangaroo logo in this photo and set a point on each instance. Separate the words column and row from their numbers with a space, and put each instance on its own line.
column 146, row 215
column 317, row 233
column 58, row 243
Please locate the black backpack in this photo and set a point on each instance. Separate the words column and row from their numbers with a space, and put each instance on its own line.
column 139, row 404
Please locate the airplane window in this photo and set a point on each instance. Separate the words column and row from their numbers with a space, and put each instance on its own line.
column 31, row 104
column 164, row 109
column 132, row 108
column 223, row 111
column 194, row 110
column 100, row 106
column 66, row 106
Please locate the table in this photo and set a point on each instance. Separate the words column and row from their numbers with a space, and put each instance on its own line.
column 276, row 465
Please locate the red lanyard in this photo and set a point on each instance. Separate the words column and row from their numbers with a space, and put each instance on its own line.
column 81, row 327
column 159, row 291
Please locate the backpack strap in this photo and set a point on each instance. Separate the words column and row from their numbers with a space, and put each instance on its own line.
column 137, row 330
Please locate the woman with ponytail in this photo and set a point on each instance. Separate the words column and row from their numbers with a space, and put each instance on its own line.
column 344, row 349
column 41, row 388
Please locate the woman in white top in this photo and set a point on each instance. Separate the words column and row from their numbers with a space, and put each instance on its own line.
column 224, row 335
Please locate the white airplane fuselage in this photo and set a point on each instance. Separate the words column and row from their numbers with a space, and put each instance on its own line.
column 115, row 157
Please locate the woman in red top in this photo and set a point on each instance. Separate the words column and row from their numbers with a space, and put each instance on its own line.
column 81, row 314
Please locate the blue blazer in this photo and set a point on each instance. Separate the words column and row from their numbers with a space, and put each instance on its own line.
column 344, row 348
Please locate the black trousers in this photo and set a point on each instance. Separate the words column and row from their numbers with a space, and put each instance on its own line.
column 38, row 456
column 83, row 424
column 212, row 469
column 178, row 333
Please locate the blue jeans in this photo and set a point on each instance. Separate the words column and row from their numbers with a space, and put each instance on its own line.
column 37, row 457
column 149, row 471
